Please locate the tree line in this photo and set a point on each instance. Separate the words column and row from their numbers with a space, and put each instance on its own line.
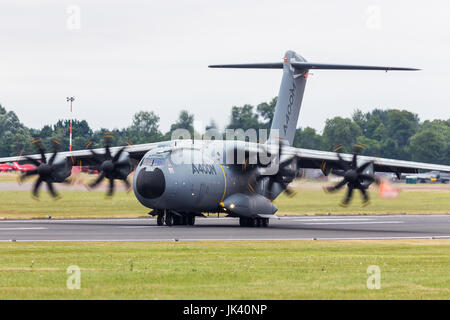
column 390, row 133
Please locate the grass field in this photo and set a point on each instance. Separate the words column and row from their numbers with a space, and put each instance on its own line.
column 310, row 199
column 413, row 269
column 410, row 269
column 411, row 200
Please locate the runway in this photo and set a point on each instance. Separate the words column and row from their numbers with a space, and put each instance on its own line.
column 284, row 228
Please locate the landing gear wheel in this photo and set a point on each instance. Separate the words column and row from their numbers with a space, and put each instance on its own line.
column 177, row 220
column 160, row 219
column 259, row 222
column 265, row 222
column 191, row 220
column 251, row 222
column 242, row 222
column 169, row 219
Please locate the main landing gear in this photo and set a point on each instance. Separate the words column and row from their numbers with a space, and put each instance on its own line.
column 254, row 222
column 173, row 219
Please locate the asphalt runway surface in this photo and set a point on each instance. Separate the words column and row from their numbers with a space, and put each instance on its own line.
column 284, row 228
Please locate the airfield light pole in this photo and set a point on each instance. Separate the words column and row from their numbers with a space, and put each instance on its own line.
column 70, row 99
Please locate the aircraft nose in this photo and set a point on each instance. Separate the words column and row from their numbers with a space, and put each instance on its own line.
column 150, row 184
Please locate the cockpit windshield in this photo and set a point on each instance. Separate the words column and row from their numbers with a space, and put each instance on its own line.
column 155, row 160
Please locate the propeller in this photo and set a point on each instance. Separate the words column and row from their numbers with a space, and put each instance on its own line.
column 353, row 176
column 110, row 167
column 46, row 169
column 285, row 175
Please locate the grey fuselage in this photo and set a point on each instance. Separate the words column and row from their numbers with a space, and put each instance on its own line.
column 190, row 179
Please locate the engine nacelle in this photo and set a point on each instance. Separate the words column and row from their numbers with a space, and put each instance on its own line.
column 244, row 205
column 63, row 168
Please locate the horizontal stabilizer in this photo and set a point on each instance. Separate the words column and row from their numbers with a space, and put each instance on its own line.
column 274, row 65
column 310, row 65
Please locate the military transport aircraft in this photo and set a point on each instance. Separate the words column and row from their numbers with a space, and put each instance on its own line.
column 183, row 178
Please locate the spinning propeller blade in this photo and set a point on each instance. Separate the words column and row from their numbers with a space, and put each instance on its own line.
column 353, row 176
column 110, row 167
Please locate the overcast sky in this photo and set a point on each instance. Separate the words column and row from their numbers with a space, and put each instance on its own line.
column 120, row 57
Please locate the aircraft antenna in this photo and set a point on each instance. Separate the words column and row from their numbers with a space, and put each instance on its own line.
column 70, row 100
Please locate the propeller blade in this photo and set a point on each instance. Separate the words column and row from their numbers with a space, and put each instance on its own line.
column 96, row 157
column 342, row 163
column 109, row 166
column 366, row 177
column 126, row 182
column 36, row 187
column 41, row 151
column 340, row 184
column 52, row 158
column 56, row 145
column 28, row 174
column 348, row 197
column 365, row 196
column 290, row 193
column 111, row 188
column 364, row 167
column 354, row 161
column 118, row 154
column 33, row 161
column 97, row 182
column 51, row 189
column 107, row 153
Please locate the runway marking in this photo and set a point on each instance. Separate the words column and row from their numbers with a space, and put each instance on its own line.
column 340, row 217
column 135, row 227
column 235, row 239
column 30, row 228
column 74, row 220
column 365, row 222
column 331, row 219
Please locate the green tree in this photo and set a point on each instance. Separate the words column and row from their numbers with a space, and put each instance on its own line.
column 402, row 125
column 427, row 146
column 14, row 136
column 371, row 147
column 308, row 138
column 380, row 133
column 341, row 131
column 266, row 111
column 185, row 121
column 438, row 148
column 243, row 118
column 144, row 128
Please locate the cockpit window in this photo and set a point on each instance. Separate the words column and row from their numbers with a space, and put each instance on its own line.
column 155, row 160
column 158, row 162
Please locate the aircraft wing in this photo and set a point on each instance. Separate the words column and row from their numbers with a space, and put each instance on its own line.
column 326, row 161
column 84, row 157
column 308, row 158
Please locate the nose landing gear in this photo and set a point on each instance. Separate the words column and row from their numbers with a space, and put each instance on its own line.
column 169, row 218
column 160, row 219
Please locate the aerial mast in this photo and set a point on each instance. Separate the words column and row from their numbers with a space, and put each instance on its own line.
column 70, row 100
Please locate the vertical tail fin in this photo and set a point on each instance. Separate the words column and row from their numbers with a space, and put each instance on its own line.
column 295, row 72
column 290, row 98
